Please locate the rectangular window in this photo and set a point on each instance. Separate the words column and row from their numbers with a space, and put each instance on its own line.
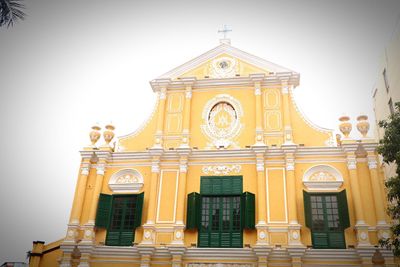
column 120, row 215
column 221, row 211
column 327, row 216
column 391, row 108
column 385, row 80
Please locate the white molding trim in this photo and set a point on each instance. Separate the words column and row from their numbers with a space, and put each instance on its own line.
column 219, row 50
column 126, row 181
column 284, row 193
column 159, row 195
column 305, row 118
column 330, row 178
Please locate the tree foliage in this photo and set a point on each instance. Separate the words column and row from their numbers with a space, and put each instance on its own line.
column 389, row 148
column 11, row 11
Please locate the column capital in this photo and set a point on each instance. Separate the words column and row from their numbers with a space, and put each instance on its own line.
column 85, row 170
column 100, row 169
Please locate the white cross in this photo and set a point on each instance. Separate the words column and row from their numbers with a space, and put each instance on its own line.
column 225, row 30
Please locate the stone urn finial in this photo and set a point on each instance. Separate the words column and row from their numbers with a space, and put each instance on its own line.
column 95, row 134
column 363, row 125
column 345, row 126
column 108, row 134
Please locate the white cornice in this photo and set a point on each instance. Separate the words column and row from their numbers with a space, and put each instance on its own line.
column 271, row 80
column 305, row 154
column 224, row 49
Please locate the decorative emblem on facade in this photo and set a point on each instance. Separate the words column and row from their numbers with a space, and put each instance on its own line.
column 222, row 169
column 322, row 178
column 126, row 181
column 221, row 117
column 224, row 67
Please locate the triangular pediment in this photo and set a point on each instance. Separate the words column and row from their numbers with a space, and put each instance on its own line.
column 207, row 64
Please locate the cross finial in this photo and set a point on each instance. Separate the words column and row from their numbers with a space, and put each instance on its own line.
column 225, row 31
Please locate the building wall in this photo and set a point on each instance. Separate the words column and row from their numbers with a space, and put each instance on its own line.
column 389, row 92
column 247, row 124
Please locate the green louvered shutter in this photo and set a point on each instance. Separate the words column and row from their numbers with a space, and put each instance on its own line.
column 236, row 185
column 113, row 238
column 248, row 210
column 103, row 211
column 193, row 209
column 336, row 240
column 343, row 210
column 307, row 209
column 139, row 210
column 126, row 238
column 206, row 186
column 320, row 240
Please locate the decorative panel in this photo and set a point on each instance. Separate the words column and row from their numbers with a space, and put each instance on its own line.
column 175, row 103
column 167, row 195
column 272, row 99
column 273, row 121
column 276, row 195
column 174, row 123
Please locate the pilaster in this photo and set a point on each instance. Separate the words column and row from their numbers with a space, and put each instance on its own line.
column 257, row 78
column 286, row 90
column 149, row 226
column 382, row 226
column 88, row 228
column 188, row 82
column 261, row 205
column 361, row 226
column 161, row 86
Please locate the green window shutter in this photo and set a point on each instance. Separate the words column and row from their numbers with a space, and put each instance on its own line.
column 206, row 186
column 126, row 238
column 103, row 211
column 193, row 209
column 320, row 240
column 343, row 210
column 336, row 240
column 139, row 210
column 248, row 210
column 112, row 238
column 221, row 185
column 307, row 209
column 236, row 185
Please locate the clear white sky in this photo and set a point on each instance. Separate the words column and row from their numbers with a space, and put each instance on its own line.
column 73, row 63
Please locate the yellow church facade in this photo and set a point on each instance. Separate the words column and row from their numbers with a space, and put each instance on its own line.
column 225, row 172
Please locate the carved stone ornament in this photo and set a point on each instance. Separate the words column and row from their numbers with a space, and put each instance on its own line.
column 95, row 134
column 345, row 126
column 363, row 125
column 224, row 67
column 322, row 178
column 222, row 169
column 126, row 181
column 221, row 116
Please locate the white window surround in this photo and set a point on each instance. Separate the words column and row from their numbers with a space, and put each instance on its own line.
column 126, row 181
column 322, row 178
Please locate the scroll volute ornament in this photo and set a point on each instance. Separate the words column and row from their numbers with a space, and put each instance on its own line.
column 95, row 134
column 345, row 126
column 108, row 134
column 363, row 125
